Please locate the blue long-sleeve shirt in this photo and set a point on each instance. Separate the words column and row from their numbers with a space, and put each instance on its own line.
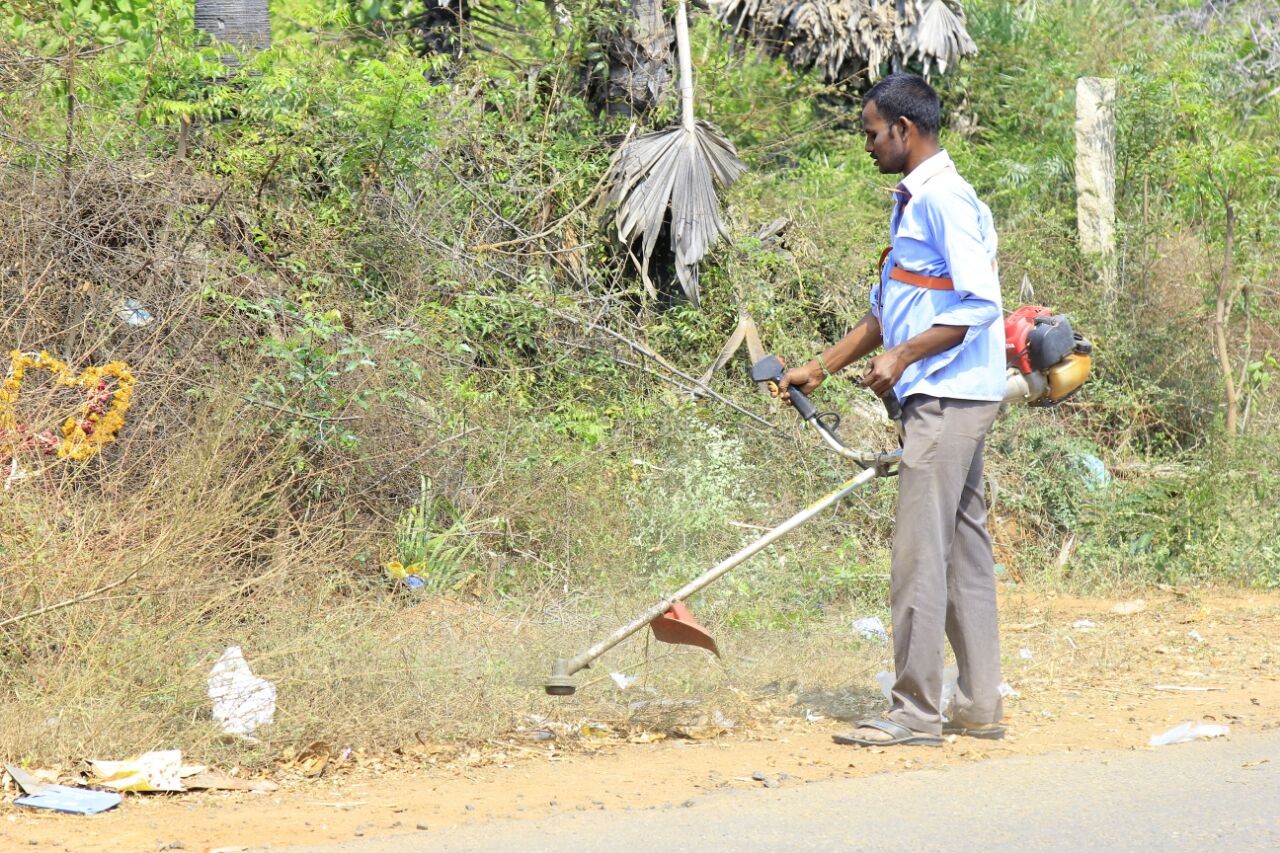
column 944, row 230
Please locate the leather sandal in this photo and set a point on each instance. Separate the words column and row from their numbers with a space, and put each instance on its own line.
column 985, row 731
column 899, row 735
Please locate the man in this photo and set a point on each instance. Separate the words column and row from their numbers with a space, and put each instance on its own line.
column 937, row 312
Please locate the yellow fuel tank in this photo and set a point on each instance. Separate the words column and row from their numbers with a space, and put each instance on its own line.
column 1068, row 375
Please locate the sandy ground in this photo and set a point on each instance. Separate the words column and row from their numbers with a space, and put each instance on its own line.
column 1081, row 688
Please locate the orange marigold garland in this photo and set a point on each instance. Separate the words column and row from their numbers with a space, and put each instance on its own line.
column 101, row 415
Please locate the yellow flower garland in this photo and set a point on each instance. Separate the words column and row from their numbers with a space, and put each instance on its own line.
column 398, row 571
column 97, row 425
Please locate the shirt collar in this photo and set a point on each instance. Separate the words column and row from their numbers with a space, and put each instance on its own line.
column 930, row 168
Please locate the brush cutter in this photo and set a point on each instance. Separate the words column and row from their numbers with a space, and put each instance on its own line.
column 669, row 618
column 1047, row 363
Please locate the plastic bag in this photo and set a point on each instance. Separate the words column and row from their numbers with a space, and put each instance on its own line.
column 885, row 680
column 871, row 628
column 241, row 700
column 1188, row 732
column 623, row 681
column 950, row 676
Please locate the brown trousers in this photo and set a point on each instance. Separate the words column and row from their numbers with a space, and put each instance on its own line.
column 943, row 578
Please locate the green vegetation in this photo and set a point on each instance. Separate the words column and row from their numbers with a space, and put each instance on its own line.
column 390, row 325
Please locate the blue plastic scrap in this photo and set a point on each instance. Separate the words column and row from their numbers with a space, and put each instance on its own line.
column 1093, row 471
column 132, row 312
column 61, row 798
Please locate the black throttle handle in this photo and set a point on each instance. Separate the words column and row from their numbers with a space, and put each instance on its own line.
column 803, row 405
column 891, row 405
column 770, row 369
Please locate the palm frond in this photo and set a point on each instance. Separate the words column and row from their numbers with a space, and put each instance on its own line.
column 674, row 176
column 679, row 172
column 847, row 40
column 933, row 31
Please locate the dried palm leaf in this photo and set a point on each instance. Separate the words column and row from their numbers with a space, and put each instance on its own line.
column 933, row 31
column 674, row 173
column 847, row 40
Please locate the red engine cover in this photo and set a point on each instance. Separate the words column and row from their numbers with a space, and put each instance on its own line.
column 1017, row 326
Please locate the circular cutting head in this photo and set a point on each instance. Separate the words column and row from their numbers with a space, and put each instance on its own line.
column 560, row 685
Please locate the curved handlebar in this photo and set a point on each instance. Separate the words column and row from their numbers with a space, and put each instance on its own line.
column 770, row 369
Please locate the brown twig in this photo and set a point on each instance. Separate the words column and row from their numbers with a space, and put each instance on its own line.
column 31, row 614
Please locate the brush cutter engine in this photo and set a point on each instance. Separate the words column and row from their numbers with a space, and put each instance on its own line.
column 1046, row 360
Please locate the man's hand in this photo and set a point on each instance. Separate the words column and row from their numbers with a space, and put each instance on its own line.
column 884, row 371
column 806, row 377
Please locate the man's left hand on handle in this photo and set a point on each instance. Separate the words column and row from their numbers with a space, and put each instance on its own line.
column 884, row 371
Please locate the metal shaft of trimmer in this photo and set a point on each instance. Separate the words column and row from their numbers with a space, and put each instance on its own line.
column 565, row 667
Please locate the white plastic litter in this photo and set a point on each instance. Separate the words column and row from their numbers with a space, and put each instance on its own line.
column 1195, row 635
column 1188, row 732
column 241, row 700
column 950, row 676
column 1007, row 691
column 15, row 473
column 1084, row 624
column 871, row 628
column 151, row 771
column 623, row 681
column 1025, row 654
column 885, row 680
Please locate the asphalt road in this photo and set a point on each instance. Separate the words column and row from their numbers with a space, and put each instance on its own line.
column 1211, row 795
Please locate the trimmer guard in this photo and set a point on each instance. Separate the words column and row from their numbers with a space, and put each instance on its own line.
column 678, row 626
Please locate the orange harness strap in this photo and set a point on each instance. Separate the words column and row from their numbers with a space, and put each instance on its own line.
column 931, row 282
column 927, row 281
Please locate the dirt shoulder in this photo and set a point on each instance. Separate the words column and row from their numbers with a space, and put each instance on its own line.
column 1104, row 687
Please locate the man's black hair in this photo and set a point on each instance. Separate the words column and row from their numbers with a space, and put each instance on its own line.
column 902, row 94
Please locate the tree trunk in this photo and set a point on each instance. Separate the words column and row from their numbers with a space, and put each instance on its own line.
column 243, row 24
column 639, row 60
column 1221, row 316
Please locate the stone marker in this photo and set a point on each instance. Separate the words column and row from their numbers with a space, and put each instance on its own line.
column 1096, row 172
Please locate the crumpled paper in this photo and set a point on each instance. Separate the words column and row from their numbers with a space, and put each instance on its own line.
column 241, row 700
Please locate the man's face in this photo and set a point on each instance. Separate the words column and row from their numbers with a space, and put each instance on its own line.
column 886, row 143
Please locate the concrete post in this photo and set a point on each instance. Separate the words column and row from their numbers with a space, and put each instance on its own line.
column 1096, row 174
